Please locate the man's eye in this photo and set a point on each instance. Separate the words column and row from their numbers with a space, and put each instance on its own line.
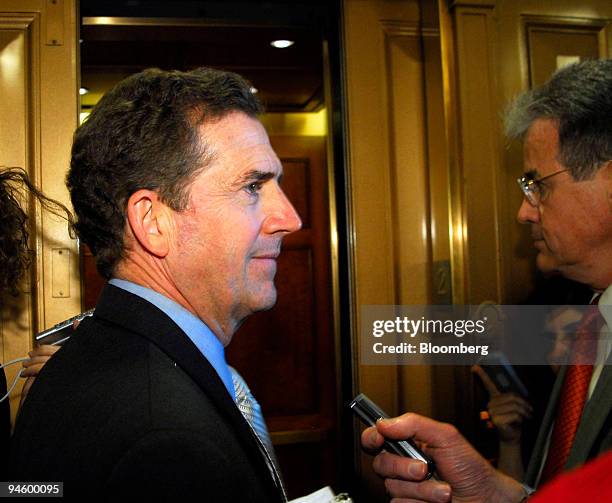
column 253, row 188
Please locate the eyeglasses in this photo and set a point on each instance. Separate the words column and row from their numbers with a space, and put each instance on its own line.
column 532, row 188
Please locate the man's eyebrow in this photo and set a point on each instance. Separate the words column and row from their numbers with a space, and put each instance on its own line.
column 258, row 176
column 532, row 174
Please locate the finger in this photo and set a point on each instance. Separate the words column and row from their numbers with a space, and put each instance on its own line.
column 32, row 371
column 509, row 398
column 486, row 380
column 420, row 445
column 371, row 440
column 508, row 404
column 44, row 350
column 26, row 386
column 430, row 490
column 393, row 466
column 511, row 409
column 35, row 361
column 507, row 420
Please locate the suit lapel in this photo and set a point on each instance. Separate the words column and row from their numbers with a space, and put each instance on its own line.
column 535, row 462
column 117, row 306
column 595, row 414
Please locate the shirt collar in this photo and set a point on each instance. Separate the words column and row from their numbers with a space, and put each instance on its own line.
column 197, row 331
column 605, row 308
column 606, row 301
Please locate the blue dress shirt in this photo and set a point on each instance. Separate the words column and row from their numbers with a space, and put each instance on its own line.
column 194, row 328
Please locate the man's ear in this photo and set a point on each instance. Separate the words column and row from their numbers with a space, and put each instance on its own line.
column 607, row 179
column 148, row 218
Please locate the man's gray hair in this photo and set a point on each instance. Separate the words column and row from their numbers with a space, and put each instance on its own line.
column 579, row 99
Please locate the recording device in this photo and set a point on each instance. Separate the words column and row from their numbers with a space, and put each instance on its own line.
column 369, row 413
column 60, row 333
column 502, row 373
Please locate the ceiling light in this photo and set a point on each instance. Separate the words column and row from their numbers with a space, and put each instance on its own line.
column 282, row 44
column 83, row 91
column 254, row 90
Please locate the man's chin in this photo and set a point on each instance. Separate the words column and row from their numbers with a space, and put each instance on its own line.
column 265, row 299
column 547, row 264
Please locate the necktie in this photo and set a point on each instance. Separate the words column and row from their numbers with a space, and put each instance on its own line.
column 251, row 410
column 574, row 392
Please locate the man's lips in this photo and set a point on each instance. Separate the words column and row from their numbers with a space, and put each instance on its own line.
column 536, row 235
column 539, row 243
column 268, row 256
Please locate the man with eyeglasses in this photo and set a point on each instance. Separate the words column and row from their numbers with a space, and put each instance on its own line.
column 566, row 127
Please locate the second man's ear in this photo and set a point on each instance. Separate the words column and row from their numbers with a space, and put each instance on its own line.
column 148, row 219
column 607, row 171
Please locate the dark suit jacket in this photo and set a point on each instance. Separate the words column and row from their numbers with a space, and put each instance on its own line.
column 129, row 405
column 594, row 434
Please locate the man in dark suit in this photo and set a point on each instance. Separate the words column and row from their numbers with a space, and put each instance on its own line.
column 176, row 191
column 566, row 128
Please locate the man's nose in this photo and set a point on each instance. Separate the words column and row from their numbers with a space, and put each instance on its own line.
column 283, row 217
column 527, row 213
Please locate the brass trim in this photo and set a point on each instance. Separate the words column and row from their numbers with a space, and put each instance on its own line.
column 351, row 238
column 35, row 171
column 350, row 219
column 53, row 22
column 565, row 20
column 11, row 21
column 452, row 4
column 456, row 220
column 164, row 21
column 333, row 225
column 408, row 29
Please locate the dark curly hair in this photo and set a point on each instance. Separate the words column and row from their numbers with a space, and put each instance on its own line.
column 143, row 134
column 15, row 254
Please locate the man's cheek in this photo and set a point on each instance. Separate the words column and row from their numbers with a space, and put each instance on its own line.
column 546, row 262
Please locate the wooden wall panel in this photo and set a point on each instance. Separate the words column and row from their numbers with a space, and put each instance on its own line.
column 478, row 112
column 411, row 192
column 554, row 42
column 38, row 114
column 396, row 172
column 407, row 145
column 369, row 181
column 18, row 36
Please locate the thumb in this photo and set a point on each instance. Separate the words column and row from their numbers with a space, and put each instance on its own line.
column 422, row 429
